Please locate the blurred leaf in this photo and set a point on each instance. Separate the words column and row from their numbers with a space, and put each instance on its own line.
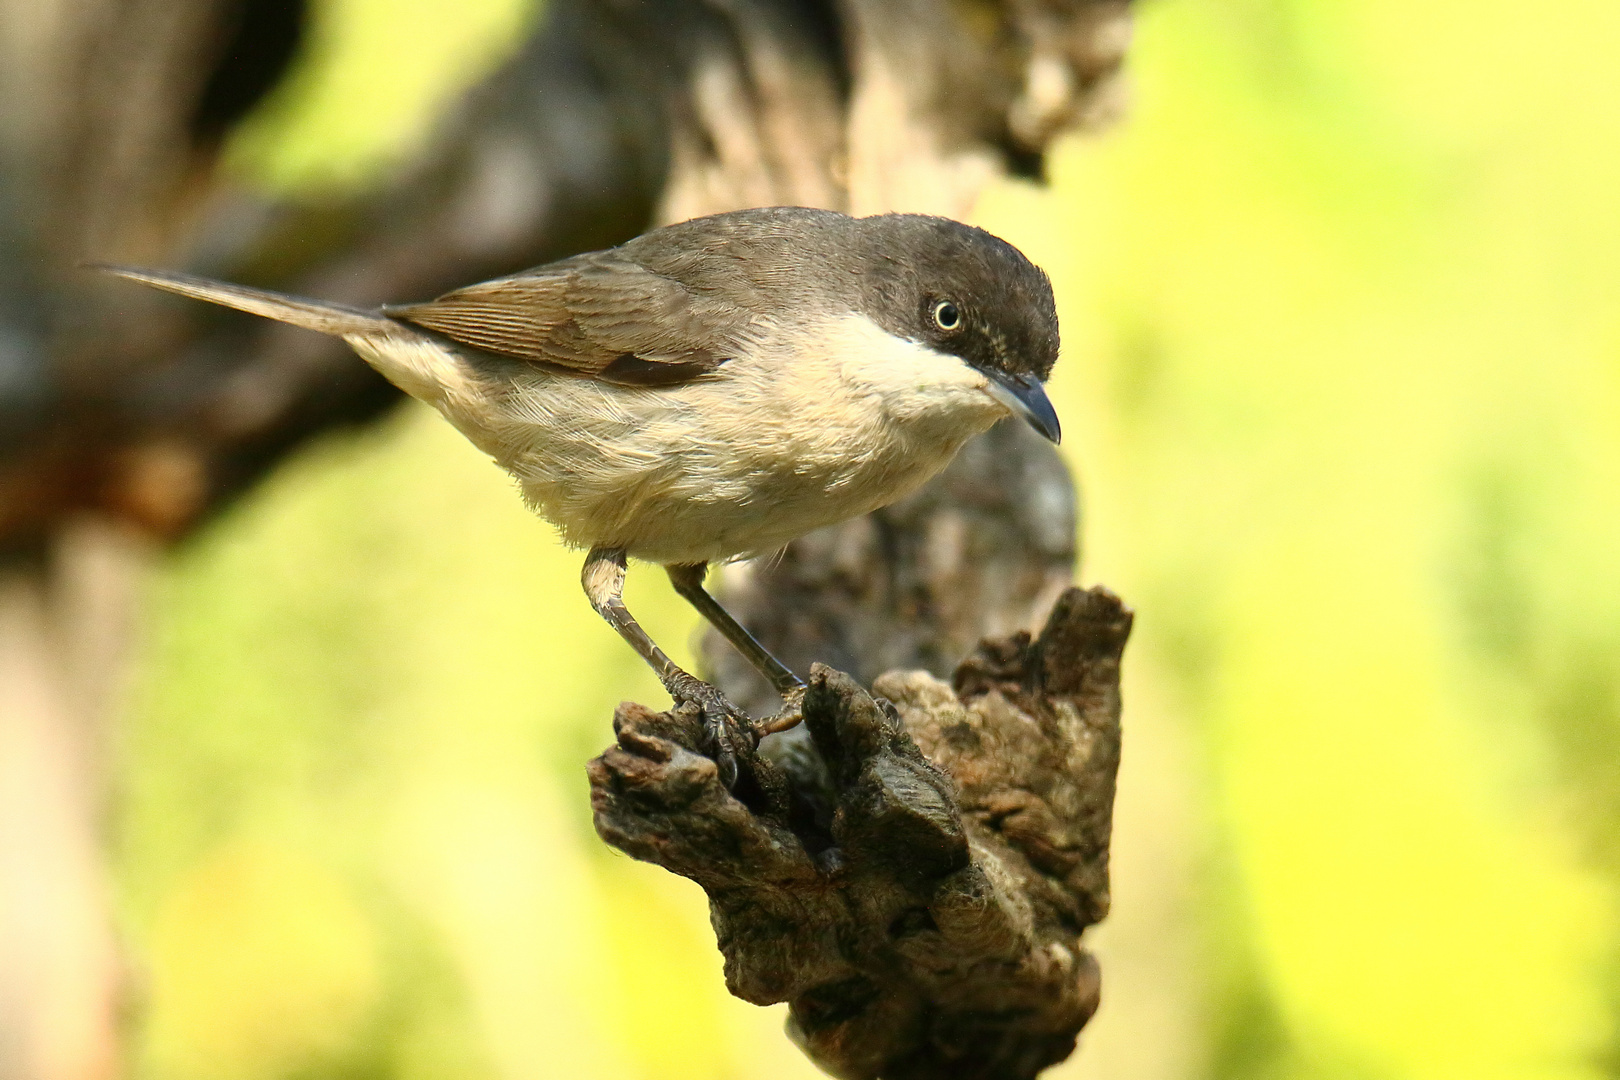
column 265, row 966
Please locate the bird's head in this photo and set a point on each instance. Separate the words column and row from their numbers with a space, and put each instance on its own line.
column 961, row 291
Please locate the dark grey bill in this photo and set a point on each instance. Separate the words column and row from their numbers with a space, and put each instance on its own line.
column 1026, row 397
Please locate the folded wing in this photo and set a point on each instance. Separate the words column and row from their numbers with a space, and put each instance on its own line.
column 603, row 316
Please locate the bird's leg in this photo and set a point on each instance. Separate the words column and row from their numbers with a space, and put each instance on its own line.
column 603, row 578
column 688, row 581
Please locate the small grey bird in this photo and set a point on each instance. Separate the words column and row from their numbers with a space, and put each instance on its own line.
column 713, row 389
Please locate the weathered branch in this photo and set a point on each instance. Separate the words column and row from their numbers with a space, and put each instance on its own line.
column 985, row 548
column 915, row 881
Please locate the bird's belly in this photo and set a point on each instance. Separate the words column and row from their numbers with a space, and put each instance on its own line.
column 761, row 512
column 703, row 473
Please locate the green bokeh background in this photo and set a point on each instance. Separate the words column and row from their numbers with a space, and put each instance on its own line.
column 1341, row 383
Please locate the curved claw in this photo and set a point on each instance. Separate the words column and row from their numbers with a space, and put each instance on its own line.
column 720, row 717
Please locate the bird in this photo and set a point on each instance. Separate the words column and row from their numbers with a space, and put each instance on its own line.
column 713, row 389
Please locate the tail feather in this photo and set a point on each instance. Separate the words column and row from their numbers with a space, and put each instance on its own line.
column 310, row 314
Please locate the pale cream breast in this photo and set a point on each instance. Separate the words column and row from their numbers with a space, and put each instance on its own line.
column 780, row 441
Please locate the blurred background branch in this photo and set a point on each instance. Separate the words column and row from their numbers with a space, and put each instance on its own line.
column 128, row 420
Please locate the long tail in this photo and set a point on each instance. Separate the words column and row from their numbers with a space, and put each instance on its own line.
column 310, row 314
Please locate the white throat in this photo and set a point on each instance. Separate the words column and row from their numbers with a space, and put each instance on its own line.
column 916, row 384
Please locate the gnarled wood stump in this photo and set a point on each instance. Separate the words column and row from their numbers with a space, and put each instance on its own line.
column 914, row 879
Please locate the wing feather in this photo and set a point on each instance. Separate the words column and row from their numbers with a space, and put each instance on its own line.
column 604, row 316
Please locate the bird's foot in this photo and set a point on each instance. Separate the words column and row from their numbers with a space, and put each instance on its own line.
column 788, row 716
column 729, row 732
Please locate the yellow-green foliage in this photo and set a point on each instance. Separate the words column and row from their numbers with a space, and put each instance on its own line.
column 1341, row 381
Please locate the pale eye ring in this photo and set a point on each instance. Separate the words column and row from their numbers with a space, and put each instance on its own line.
column 947, row 316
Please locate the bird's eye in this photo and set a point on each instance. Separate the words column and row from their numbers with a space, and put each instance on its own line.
column 947, row 316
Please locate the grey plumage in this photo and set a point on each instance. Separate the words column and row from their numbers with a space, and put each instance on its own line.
column 716, row 388
column 683, row 295
column 679, row 300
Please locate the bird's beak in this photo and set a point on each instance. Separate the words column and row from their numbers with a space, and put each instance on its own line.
column 1026, row 397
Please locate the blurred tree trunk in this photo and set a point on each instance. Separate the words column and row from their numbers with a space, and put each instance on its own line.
column 125, row 418
column 110, row 113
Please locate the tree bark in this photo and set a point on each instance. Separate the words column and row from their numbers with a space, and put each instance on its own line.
column 913, row 879
column 914, row 872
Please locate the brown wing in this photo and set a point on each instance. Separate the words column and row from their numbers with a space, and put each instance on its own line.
column 603, row 316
